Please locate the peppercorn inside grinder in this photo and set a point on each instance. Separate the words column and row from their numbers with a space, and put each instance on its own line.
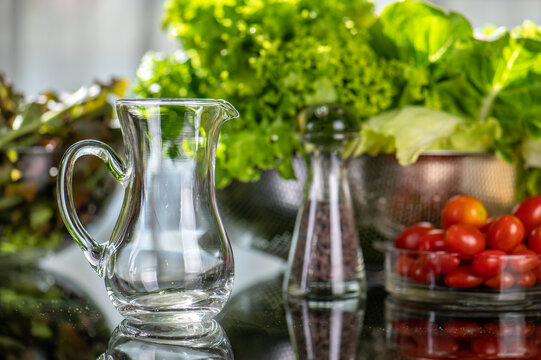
column 325, row 258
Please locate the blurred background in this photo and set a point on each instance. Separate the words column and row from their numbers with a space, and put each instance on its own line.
column 64, row 44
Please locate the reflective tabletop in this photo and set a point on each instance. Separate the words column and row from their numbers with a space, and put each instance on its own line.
column 58, row 309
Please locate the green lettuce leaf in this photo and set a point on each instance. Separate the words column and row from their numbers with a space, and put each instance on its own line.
column 471, row 137
column 418, row 33
column 499, row 77
column 407, row 132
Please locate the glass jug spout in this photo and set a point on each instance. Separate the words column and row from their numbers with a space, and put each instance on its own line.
column 229, row 111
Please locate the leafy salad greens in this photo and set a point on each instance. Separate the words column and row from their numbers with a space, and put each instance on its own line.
column 34, row 133
column 418, row 77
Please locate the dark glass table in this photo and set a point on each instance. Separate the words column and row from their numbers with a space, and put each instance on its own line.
column 45, row 314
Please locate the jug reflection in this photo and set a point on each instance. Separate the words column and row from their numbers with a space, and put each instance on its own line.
column 169, row 260
column 125, row 344
column 418, row 332
column 325, row 329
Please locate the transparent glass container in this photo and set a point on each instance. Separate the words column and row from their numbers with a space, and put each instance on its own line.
column 168, row 266
column 325, row 259
column 127, row 344
column 415, row 275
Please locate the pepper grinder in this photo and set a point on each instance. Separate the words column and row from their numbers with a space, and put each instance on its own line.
column 325, row 258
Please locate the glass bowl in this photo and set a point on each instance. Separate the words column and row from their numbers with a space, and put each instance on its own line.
column 424, row 277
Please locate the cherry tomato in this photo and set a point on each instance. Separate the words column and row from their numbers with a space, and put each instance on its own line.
column 526, row 329
column 503, row 280
column 406, row 344
column 534, row 240
column 523, row 261
column 436, row 345
column 487, row 346
column 500, row 328
column 411, row 327
column 464, row 239
column 488, row 224
column 410, row 237
column 489, row 263
column 529, row 212
column 442, row 263
column 520, row 347
column 526, row 279
column 414, row 327
column 434, row 240
column 463, row 209
column 462, row 329
column 505, row 233
column 420, row 273
column 518, row 248
column 463, row 278
column 403, row 265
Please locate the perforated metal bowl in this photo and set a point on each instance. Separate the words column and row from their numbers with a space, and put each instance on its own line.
column 386, row 195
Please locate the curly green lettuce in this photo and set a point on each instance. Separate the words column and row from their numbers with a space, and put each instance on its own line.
column 271, row 59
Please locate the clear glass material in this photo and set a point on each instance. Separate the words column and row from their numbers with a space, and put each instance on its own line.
column 408, row 277
column 325, row 329
column 169, row 259
column 125, row 344
column 325, row 258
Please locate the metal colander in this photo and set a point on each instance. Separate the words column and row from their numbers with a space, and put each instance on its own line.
column 387, row 197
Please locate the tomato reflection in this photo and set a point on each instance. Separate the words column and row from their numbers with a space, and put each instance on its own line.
column 419, row 333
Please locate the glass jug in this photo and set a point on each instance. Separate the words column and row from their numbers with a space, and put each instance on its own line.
column 169, row 260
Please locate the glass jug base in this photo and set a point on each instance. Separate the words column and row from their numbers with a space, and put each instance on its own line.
column 327, row 289
column 179, row 313
column 171, row 330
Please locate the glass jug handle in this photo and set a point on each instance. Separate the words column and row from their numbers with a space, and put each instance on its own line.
column 92, row 249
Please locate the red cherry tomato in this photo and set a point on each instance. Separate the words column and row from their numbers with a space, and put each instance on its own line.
column 489, row 263
column 523, row 261
column 487, row 346
column 526, row 329
column 529, row 212
column 434, row 240
column 464, row 239
column 521, row 348
column 403, row 265
column 534, row 240
column 526, row 279
column 439, row 345
column 505, row 233
column 503, row 280
column 410, row 237
column 462, row 329
column 463, row 278
column 414, row 327
column 488, row 224
column 420, row 273
column 442, row 263
column 519, row 247
column 500, row 328
column 463, row 209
